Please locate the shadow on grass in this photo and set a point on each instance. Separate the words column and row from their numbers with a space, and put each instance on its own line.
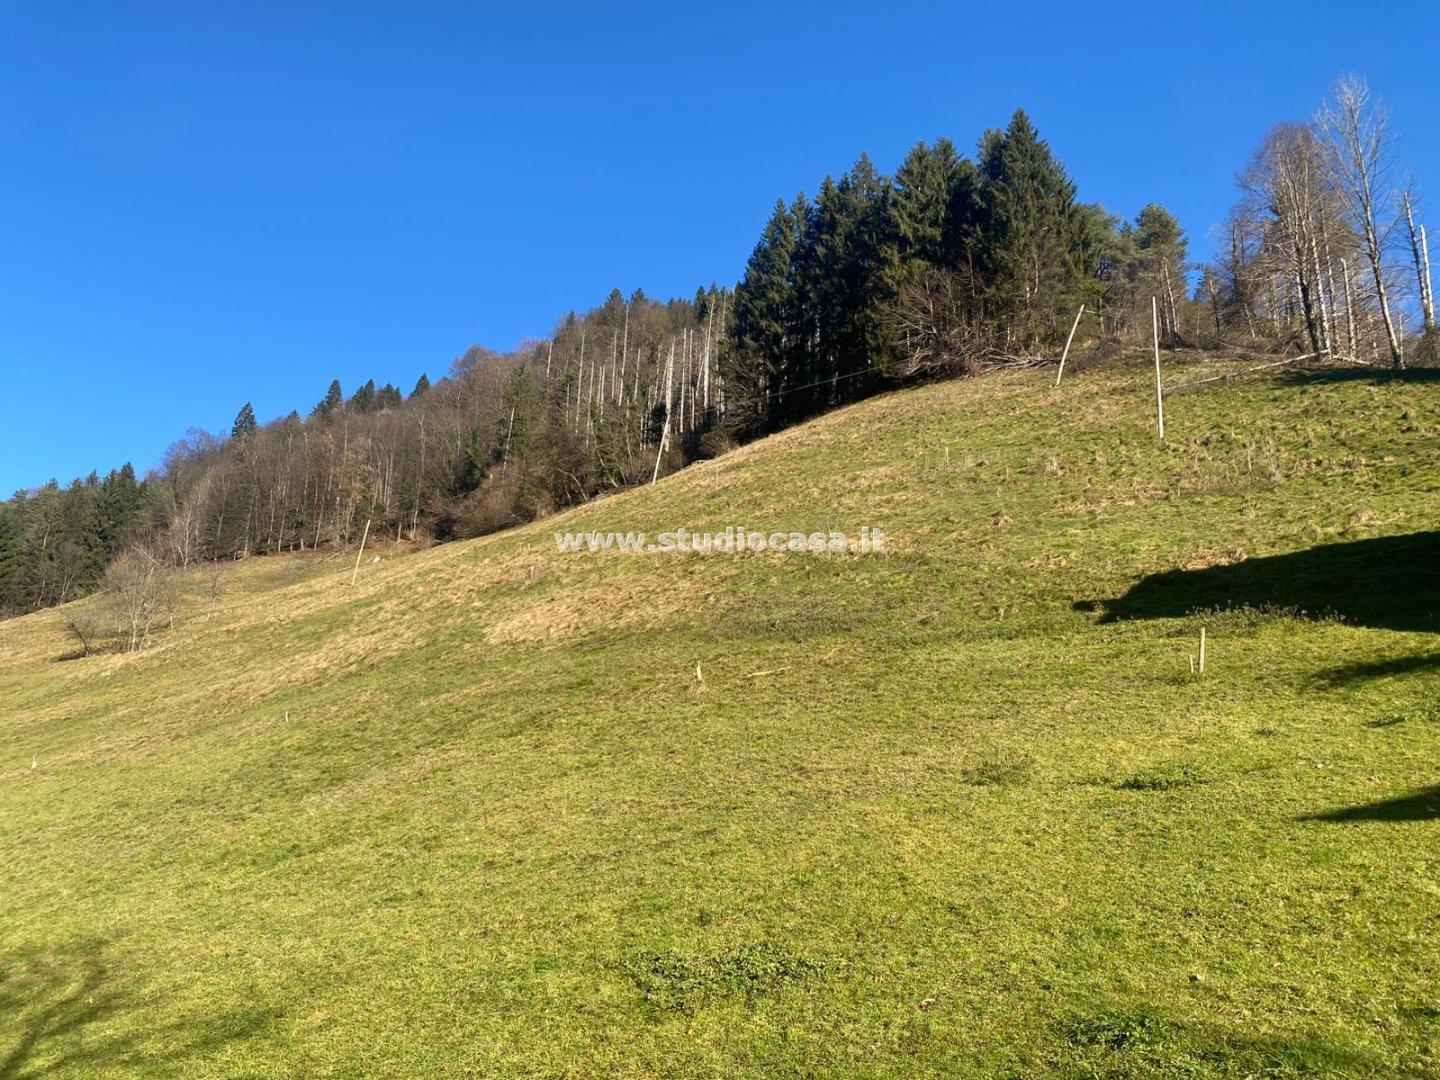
column 67, row 1010
column 1388, row 582
column 1136, row 1044
column 1375, row 669
column 1421, row 806
column 1311, row 376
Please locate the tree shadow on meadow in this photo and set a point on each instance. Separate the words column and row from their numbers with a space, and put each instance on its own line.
column 1361, row 671
column 69, row 1010
column 1387, row 582
column 1377, row 375
column 1420, row 806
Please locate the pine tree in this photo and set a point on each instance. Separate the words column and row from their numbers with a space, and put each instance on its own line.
column 1106, row 257
column 422, row 384
column 1161, row 244
column 363, row 400
column 960, row 243
column 388, row 397
column 821, row 264
column 873, row 283
column 1029, row 236
column 330, row 403
column 763, row 330
column 12, row 553
column 920, row 206
column 121, row 502
column 245, row 424
column 846, row 247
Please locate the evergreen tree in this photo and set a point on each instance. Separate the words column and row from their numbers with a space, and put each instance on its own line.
column 1105, row 256
column 333, row 399
column 363, row 400
column 1158, row 230
column 1161, row 248
column 12, row 553
column 1029, row 236
column 121, row 502
column 843, row 290
column 960, row 243
column 920, row 206
column 245, row 424
column 764, row 331
column 821, row 262
column 388, row 397
column 874, row 279
column 422, row 384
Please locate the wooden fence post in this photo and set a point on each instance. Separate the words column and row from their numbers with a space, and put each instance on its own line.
column 1159, row 392
column 1073, row 327
column 363, row 537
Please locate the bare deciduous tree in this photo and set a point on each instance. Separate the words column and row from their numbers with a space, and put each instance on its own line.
column 1355, row 132
column 87, row 625
column 141, row 593
column 932, row 324
column 1420, row 253
column 1287, row 199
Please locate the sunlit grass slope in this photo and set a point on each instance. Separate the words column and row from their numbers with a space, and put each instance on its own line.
column 958, row 811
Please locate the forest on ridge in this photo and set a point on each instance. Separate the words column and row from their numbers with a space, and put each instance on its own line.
column 950, row 266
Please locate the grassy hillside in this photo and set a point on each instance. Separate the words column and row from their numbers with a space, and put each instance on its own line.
column 961, row 810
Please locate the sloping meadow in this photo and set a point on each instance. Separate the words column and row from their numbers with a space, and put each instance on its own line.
column 965, row 808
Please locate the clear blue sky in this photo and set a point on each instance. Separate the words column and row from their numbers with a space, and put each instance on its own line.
column 203, row 204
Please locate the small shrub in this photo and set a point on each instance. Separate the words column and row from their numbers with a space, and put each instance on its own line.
column 1165, row 778
column 997, row 770
column 485, row 511
column 1248, row 617
column 1120, row 1031
column 714, row 443
column 682, row 983
column 90, row 630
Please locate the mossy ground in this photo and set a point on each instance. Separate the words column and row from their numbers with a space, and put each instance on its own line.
column 961, row 810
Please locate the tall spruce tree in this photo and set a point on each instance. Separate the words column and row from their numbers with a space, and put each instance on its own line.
column 12, row 553
column 875, row 274
column 244, row 425
column 763, row 330
column 920, row 206
column 821, row 262
column 330, row 403
column 1161, row 246
column 960, row 245
column 1029, row 235
column 846, row 250
column 363, row 400
column 121, row 502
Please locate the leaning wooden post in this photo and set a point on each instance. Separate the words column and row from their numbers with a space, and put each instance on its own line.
column 1073, row 327
column 660, row 454
column 1159, row 393
column 363, row 537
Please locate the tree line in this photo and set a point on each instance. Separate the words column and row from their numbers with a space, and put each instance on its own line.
column 950, row 266
column 1323, row 250
column 614, row 396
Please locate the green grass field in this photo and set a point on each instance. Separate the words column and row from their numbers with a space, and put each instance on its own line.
column 957, row 811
